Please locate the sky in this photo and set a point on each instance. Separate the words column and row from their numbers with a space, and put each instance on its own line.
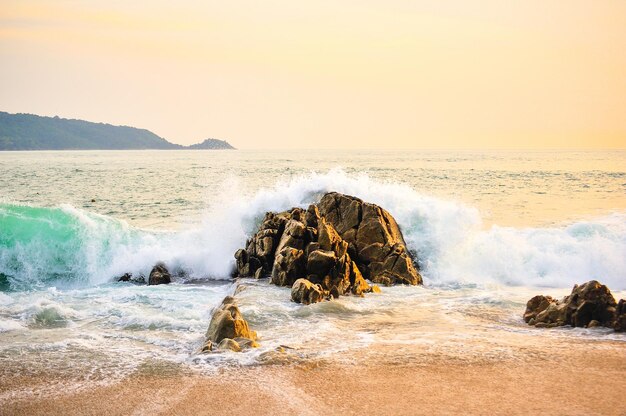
column 392, row 74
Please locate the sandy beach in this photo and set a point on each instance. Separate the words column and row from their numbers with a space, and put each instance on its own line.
column 574, row 378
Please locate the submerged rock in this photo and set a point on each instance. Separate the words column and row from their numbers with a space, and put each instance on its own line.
column 334, row 246
column 229, row 344
column 228, row 323
column 159, row 275
column 590, row 304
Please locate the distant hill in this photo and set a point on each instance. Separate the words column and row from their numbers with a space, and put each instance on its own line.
column 213, row 144
column 32, row 132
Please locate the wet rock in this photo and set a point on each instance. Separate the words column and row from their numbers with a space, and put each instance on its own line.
column 159, row 275
column 589, row 304
column 229, row 344
column 535, row 306
column 129, row 277
column 288, row 266
column 293, row 236
column 375, row 289
column 247, row 265
column 208, row 346
column 592, row 301
column 240, row 288
column 259, row 273
column 227, row 322
column 335, row 244
column 320, row 262
column 261, row 248
column 306, row 292
column 373, row 237
column 312, row 216
column 246, row 343
column 556, row 314
column 593, row 324
column 126, row 277
column 620, row 316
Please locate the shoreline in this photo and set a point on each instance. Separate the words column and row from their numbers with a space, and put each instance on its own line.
column 570, row 378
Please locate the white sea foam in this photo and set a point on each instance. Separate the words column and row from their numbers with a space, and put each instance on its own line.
column 448, row 237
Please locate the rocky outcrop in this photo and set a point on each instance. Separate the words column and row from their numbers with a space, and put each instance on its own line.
column 334, row 246
column 228, row 329
column 159, row 275
column 374, row 239
column 590, row 304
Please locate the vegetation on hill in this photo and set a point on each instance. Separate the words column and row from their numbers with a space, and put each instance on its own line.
column 32, row 132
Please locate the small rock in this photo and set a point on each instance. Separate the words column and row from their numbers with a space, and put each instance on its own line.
column 227, row 322
column 240, row 288
column 305, row 292
column 126, row 277
column 590, row 304
column 229, row 344
column 259, row 273
column 246, row 343
column 593, row 324
column 159, row 275
column 207, row 347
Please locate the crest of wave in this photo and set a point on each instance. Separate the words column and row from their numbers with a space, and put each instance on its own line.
column 448, row 237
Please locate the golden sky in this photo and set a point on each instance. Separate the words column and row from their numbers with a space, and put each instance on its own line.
column 326, row 74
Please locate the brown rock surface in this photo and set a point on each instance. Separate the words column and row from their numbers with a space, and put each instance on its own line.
column 335, row 244
column 620, row 316
column 305, row 292
column 227, row 322
column 588, row 302
column 159, row 275
column 373, row 236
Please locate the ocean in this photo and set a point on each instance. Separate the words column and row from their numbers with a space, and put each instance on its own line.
column 490, row 230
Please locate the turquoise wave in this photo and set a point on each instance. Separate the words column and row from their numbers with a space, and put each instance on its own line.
column 41, row 246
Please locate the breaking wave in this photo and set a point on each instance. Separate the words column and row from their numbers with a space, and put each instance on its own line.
column 67, row 246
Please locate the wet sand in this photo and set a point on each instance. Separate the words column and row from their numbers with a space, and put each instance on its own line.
column 578, row 379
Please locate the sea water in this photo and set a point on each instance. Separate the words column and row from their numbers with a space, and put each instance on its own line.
column 489, row 229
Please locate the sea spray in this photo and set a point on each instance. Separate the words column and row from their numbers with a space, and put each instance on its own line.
column 69, row 246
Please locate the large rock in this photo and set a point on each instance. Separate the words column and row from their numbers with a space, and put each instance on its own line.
column 373, row 236
column 590, row 303
column 336, row 244
column 159, row 275
column 228, row 323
